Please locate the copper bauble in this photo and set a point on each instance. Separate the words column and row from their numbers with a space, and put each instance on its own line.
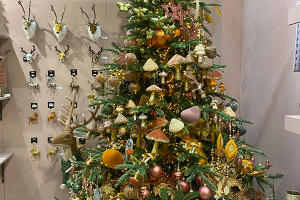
column 129, row 75
column 130, row 191
column 156, row 171
column 114, row 81
column 159, row 39
column 177, row 175
column 101, row 78
column 128, row 43
column 205, row 192
column 199, row 180
column 144, row 193
column 185, row 186
column 150, row 178
column 130, row 58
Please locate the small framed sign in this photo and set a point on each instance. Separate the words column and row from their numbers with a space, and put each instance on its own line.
column 34, row 140
column 73, row 72
column 81, row 141
column 34, row 106
column 94, row 73
column 32, row 74
column 50, row 105
column 49, row 139
column 75, row 105
column 51, row 73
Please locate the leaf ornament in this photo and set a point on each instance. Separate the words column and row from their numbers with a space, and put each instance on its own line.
column 140, row 12
column 220, row 144
column 230, row 149
column 218, row 11
column 168, row 30
column 208, row 18
column 124, row 7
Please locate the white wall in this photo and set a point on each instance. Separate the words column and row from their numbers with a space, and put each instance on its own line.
column 269, row 87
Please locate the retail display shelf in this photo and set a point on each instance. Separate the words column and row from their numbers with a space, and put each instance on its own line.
column 3, row 158
column 4, row 98
column 292, row 123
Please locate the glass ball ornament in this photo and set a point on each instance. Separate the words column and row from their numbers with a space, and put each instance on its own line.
column 199, row 180
column 185, row 186
column 107, row 109
column 76, row 187
column 69, row 183
column 176, row 174
column 242, row 129
column 156, row 171
column 205, row 192
column 144, row 193
column 232, row 105
column 159, row 39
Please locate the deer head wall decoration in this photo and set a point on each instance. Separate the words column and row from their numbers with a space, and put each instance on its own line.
column 28, row 57
column 95, row 56
column 62, row 56
column 66, row 138
column 94, row 29
column 29, row 25
column 60, row 29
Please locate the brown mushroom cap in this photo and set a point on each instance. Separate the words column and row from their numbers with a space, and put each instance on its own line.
column 153, row 88
column 212, row 83
column 144, row 99
column 215, row 75
column 157, row 135
column 121, row 119
column 130, row 104
column 189, row 59
column 187, row 78
column 137, row 129
column 150, row 65
column 221, row 85
column 157, row 123
column 176, row 59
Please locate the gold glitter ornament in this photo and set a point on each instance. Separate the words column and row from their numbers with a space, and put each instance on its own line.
column 134, row 87
column 116, row 59
column 129, row 75
column 130, row 58
column 122, row 130
column 114, row 81
column 128, row 43
column 101, row 78
column 130, row 191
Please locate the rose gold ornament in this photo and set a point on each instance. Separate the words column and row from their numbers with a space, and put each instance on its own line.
column 176, row 174
column 185, row 186
column 156, row 171
column 144, row 193
column 205, row 192
column 199, row 180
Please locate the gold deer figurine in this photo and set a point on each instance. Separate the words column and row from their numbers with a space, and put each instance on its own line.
column 51, row 151
column 33, row 119
column 51, row 118
column 34, row 152
column 73, row 86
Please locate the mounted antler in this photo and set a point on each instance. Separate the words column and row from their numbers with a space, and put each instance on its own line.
column 28, row 24
column 57, row 49
column 23, row 51
column 91, row 50
column 100, row 51
column 68, row 49
column 33, row 50
column 94, row 55
column 94, row 29
column 59, row 29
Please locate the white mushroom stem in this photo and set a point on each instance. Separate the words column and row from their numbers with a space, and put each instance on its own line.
column 177, row 73
column 186, row 85
column 200, row 56
column 143, row 123
column 136, row 175
column 134, row 116
column 155, row 148
column 163, row 79
column 193, row 149
column 146, row 160
column 152, row 97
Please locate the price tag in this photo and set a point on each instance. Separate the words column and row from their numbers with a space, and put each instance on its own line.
column 34, row 106
column 50, row 105
column 33, row 140
column 32, row 74
column 59, row 88
column 51, row 73
column 73, row 72
column 104, row 38
column 94, row 73
column 104, row 58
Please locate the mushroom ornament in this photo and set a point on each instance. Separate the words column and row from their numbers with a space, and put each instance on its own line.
column 175, row 62
column 175, row 125
column 150, row 66
column 163, row 75
column 189, row 60
column 200, row 52
column 157, row 136
column 153, row 89
column 143, row 118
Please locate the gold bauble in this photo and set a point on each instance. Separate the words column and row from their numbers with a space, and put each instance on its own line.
column 128, row 43
column 101, row 78
column 134, row 87
column 177, row 32
column 114, row 81
column 159, row 39
column 130, row 58
column 129, row 75
column 130, row 191
column 122, row 130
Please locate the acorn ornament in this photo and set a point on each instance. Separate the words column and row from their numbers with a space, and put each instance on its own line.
column 101, row 78
column 130, row 59
column 129, row 75
column 114, row 81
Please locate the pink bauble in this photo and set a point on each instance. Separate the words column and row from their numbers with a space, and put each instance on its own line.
column 156, row 171
column 205, row 192
column 267, row 165
column 191, row 115
column 144, row 193
column 239, row 162
column 177, row 175
column 91, row 189
column 185, row 186
column 253, row 160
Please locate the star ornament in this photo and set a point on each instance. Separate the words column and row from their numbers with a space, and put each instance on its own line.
column 178, row 13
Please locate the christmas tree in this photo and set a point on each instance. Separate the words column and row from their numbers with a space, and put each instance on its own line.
column 168, row 130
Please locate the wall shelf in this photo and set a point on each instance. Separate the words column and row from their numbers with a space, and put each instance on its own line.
column 2, row 99
column 3, row 158
column 292, row 123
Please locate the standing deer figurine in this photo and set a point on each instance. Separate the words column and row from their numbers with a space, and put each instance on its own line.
column 51, row 118
column 34, row 152
column 33, row 119
column 34, row 87
column 51, row 151
column 95, row 56
column 73, row 86
column 28, row 57
column 29, row 25
column 50, row 84
column 60, row 29
column 66, row 138
column 62, row 56
column 94, row 29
